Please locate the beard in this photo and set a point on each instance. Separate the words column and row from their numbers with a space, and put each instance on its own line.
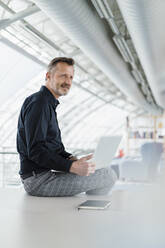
column 62, row 89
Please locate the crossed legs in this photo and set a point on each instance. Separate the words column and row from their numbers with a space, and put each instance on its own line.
column 49, row 184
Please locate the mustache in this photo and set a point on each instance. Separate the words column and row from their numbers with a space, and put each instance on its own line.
column 65, row 85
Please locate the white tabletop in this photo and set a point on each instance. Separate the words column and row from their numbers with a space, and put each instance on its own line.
column 36, row 222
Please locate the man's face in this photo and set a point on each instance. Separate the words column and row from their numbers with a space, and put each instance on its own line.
column 59, row 79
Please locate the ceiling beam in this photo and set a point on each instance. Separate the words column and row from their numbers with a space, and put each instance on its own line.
column 21, row 51
column 4, row 23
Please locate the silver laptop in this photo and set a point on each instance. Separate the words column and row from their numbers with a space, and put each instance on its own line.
column 106, row 151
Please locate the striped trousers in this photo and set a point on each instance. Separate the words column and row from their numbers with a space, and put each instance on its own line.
column 49, row 184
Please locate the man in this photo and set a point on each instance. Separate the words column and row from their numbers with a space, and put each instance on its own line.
column 46, row 168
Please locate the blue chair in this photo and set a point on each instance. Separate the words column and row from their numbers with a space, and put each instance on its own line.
column 151, row 154
column 146, row 167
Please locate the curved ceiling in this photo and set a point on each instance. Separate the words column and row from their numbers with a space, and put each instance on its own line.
column 88, row 31
column 107, row 85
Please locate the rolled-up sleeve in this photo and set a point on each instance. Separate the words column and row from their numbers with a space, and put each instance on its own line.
column 36, row 121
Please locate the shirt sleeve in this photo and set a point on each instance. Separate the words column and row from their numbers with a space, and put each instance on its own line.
column 36, row 122
column 64, row 153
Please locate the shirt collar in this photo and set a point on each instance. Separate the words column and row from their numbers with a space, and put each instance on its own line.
column 50, row 96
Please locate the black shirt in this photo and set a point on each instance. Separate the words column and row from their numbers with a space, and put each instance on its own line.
column 38, row 137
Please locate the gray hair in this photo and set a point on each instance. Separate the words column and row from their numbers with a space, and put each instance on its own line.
column 57, row 60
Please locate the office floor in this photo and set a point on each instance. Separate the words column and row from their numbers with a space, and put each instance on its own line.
column 35, row 222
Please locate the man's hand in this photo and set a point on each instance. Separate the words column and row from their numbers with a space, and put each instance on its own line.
column 82, row 167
